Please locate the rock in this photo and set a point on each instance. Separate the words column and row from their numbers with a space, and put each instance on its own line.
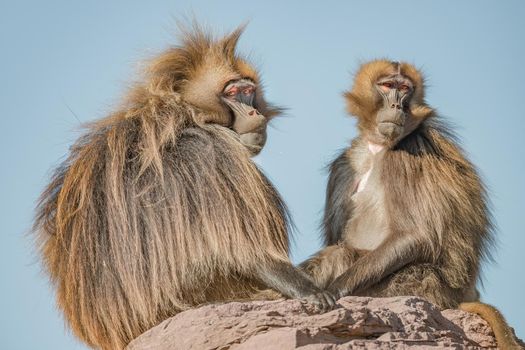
column 357, row 323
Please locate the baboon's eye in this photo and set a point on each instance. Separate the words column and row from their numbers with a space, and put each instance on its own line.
column 385, row 86
column 231, row 92
column 248, row 91
column 404, row 87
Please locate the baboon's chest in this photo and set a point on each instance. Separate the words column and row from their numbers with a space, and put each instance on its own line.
column 367, row 228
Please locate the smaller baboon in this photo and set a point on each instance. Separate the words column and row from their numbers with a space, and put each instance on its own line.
column 406, row 213
column 159, row 208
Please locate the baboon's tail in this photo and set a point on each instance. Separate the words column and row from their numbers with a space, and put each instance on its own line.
column 504, row 333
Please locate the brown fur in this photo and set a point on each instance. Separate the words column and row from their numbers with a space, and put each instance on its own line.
column 421, row 226
column 158, row 208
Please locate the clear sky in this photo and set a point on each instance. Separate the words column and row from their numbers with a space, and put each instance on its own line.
column 66, row 62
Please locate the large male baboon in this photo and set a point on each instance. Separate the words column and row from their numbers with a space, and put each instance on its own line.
column 159, row 208
column 406, row 212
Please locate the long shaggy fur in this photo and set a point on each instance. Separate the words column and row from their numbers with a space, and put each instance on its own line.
column 158, row 208
column 442, row 201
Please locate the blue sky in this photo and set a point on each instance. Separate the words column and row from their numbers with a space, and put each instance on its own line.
column 67, row 62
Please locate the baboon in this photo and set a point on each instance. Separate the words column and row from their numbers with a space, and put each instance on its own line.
column 406, row 213
column 158, row 207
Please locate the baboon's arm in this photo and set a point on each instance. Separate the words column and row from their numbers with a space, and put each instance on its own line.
column 394, row 253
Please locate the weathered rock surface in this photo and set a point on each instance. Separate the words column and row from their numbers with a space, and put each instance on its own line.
column 357, row 323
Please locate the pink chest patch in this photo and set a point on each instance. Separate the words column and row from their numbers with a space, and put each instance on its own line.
column 361, row 184
column 375, row 148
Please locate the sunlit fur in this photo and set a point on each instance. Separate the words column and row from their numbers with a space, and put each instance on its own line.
column 437, row 225
column 158, row 208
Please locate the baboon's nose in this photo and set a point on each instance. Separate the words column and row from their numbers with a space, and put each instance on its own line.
column 395, row 106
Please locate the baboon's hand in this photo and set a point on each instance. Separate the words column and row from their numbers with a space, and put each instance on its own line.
column 337, row 289
column 323, row 300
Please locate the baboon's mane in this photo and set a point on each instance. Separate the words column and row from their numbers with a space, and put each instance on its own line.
column 152, row 213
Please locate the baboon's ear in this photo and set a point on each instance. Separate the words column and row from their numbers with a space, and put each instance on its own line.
column 229, row 42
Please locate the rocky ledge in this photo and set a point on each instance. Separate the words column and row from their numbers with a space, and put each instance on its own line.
column 356, row 323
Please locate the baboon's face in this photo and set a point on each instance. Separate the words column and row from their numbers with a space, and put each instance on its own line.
column 388, row 100
column 222, row 82
column 240, row 91
column 240, row 96
column 392, row 118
